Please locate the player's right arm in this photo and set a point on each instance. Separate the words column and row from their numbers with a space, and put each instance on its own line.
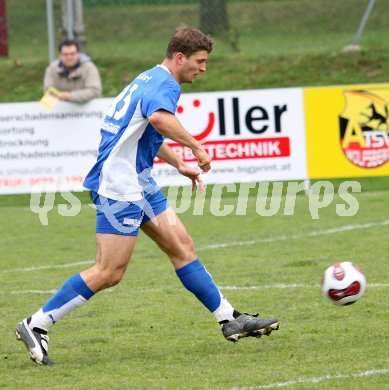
column 168, row 125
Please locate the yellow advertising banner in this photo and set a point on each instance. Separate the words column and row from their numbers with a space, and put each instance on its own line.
column 347, row 131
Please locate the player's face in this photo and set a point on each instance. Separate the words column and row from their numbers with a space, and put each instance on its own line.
column 192, row 66
column 69, row 56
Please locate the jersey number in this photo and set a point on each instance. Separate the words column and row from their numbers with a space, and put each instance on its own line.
column 120, row 105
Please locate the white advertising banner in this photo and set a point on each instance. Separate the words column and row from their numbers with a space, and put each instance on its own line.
column 48, row 151
column 255, row 135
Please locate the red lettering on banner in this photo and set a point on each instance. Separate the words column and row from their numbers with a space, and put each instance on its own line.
column 75, row 179
column 35, row 181
column 11, row 183
column 240, row 149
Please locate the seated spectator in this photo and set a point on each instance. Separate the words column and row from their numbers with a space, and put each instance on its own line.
column 73, row 74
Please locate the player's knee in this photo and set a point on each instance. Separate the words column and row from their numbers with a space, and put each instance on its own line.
column 115, row 278
column 110, row 277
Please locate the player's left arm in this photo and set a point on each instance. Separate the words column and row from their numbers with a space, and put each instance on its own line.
column 166, row 154
column 168, row 125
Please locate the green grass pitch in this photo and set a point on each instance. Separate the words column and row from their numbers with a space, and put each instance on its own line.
column 150, row 333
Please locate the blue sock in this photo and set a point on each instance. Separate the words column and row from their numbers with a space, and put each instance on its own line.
column 74, row 293
column 198, row 281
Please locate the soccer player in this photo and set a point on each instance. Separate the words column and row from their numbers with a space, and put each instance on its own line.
column 127, row 198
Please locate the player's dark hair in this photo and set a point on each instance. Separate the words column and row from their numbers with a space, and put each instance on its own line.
column 188, row 40
column 68, row 42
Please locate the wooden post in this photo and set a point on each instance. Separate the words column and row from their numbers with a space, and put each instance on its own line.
column 3, row 30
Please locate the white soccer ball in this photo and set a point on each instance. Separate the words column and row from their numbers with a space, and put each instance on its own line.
column 343, row 283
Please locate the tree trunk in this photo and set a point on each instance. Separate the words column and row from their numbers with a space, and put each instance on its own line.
column 213, row 16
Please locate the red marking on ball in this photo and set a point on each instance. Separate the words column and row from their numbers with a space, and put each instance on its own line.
column 338, row 272
column 353, row 289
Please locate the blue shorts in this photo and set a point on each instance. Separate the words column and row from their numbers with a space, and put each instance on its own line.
column 125, row 218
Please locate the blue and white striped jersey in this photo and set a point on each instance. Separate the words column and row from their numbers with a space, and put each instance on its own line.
column 129, row 143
